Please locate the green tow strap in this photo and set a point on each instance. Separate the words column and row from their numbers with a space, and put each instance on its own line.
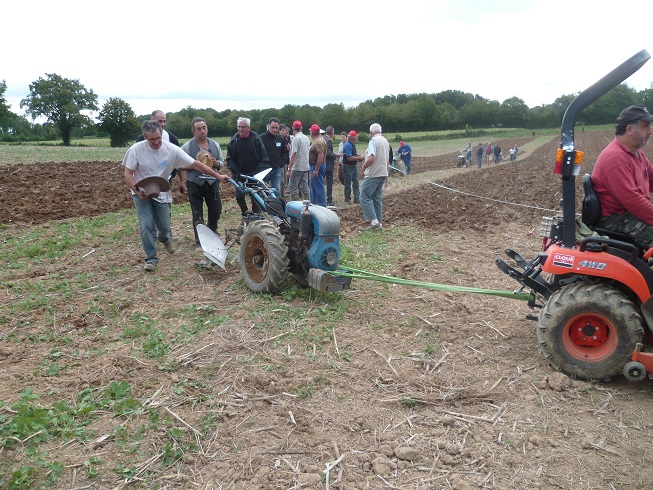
column 359, row 274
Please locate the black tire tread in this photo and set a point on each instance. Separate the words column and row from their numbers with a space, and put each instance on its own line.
column 595, row 297
column 277, row 268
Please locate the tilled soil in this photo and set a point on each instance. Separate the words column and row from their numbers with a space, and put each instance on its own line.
column 478, row 407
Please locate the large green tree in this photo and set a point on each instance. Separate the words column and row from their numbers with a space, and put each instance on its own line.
column 5, row 114
column 61, row 101
column 118, row 120
column 514, row 113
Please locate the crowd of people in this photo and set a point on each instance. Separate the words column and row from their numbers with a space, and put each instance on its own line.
column 491, row 153
column 299, row 167
column 304, row 169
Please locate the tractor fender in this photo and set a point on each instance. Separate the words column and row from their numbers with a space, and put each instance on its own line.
column 618, row 266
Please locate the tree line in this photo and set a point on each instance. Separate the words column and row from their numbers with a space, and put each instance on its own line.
column 68, row 106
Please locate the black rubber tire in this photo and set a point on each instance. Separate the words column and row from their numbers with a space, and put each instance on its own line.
column 263, row 257
column 634, row 371
column 585, row 307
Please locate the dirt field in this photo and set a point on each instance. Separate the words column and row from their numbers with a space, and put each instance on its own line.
column 411, row 388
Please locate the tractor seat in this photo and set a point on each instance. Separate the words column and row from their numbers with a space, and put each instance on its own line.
column 591, row 208
column 591, row 213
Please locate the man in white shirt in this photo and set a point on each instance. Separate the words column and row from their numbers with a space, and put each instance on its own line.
column 155, row 157
column 298, row 168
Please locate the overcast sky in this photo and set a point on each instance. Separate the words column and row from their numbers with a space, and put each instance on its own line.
column 262, row 54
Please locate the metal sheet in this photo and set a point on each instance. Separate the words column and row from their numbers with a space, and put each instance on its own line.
column 212, row 246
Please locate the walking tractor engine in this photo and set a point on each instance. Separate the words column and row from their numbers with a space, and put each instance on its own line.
column 594, row 287
column 294, row 237
column 314, row 248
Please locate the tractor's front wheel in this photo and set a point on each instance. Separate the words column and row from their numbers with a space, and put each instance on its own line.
column 589, row 331
column 263, row 257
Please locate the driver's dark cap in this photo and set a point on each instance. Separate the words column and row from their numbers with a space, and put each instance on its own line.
column 634, row 113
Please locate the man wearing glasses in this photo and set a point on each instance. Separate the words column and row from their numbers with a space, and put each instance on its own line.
column 246, row 155
column 276, row 148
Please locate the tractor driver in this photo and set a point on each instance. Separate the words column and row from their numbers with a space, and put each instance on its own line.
column 623, row 177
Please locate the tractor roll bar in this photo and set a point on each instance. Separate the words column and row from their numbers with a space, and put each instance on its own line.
column 590, row 94
column 582, row 100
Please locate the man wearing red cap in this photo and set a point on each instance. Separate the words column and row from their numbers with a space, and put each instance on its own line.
column 623, row 178
column 316, row 160
column 350, row 161
column 405, row 153
column 298, row 167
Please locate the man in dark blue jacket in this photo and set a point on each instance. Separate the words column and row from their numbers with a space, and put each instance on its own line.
column 275, row 148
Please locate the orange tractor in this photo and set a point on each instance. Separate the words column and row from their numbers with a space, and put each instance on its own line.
column 595, row 294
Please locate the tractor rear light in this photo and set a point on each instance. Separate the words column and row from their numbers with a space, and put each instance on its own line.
column 568, row 162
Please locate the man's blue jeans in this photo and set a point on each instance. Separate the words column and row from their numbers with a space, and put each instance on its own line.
column 318, row 192
column 152, row 213
column 350, row 176
column 273, row 179
column 372, row 198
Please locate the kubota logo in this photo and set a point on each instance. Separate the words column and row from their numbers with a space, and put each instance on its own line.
column 563, row 260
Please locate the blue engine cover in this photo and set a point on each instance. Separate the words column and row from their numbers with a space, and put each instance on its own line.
column 325, row 248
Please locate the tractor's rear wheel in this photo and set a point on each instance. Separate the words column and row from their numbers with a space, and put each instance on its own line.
column 589, row 331
column 263, row 257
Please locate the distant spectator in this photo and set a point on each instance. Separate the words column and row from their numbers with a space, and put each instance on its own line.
column 479, row 155
column 497, row 154
column 488, row 153
column 468, row 155
column 405, row 152
column 350, row 167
